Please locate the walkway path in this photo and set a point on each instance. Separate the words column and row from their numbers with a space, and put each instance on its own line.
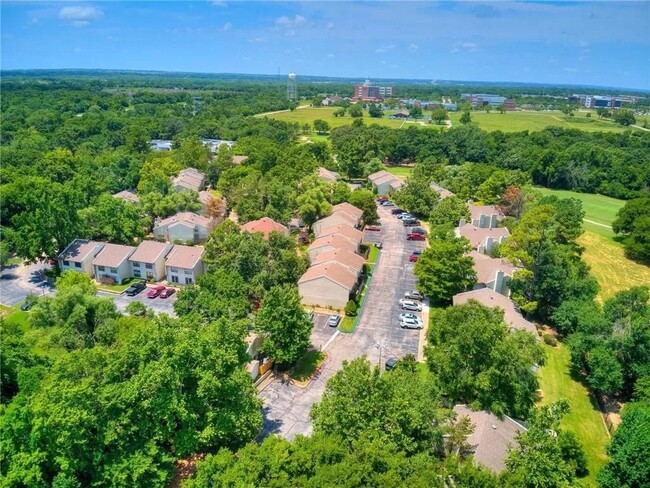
column 597, row 223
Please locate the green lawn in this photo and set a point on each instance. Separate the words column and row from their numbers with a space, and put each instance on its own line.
column 19, row 318
column 308, row 115
column 584, row 419
column 401, row 171
column 599, row 209
column 535, row 121
column 116, row 288
column 347, row 324
column 39, row 340
column 307, row 364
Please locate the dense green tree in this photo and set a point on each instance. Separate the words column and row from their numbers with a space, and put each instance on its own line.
column 444, row 270
column 449, row 212
column 415, row 112
column 624, row 117
column 605, row 372
column 479, row 361
column 632, row 225
column 114, row 220
column 283, row 325
column 375, row 111
column 365, row 200
column 321, row 126
column 355, row 111
column 439, row 114
column 417, row 197
column 629, row 450
column 466, row 118
column 340, row 192
column 493, row 189
column 312, row 201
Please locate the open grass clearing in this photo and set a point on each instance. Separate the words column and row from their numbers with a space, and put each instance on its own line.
column 584, row 419
column 609, row 265
column 117, row 288
column 307, row 365
column 535, row 121
column 401, row 171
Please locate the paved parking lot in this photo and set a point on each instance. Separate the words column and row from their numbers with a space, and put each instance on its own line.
column 18, row 281
column 158, row 305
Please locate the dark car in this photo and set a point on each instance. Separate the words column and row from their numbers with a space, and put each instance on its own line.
column 25, row 306
column 415, row 237
column 135, row 288
column 419, row 230
column 410, row 222
column 167, row 292
column 391, row 363
column 397, row 211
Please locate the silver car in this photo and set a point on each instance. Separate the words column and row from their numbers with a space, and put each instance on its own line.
column 410, row 305
column 410, row 323
column 334, row 320
column 413, row 294
column 407, row 315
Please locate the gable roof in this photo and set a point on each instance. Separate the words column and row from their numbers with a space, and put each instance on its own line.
column 344, row 230
column 333, row 240
column 128, row 196
column 188, row 218
column 357, row 213
column 486, row 266
column 397, row 183
column 237, row 160
column 80, row 249
column 265, row 225
column 491, row 298
column 327, row 174
column 335, row 218
column 112, row 255
column 477, row 235
column 477, row 210
column 332, row 271
column 184, row 257
column 443, row 192
column 377, row 175
column 189, row 178
column 149, row 251
column 205, row 197
column 491, row 437
column 347, row 258
column 387, row 178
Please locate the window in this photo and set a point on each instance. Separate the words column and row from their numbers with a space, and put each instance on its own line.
column 113, row 270
column 136, row 264
column 149, row 274
column 77, row 265
column 101, row 268
column 148, row 266
column 136, row 273
column 188, row 281
column 174, row 270
column 187, row 271
column 174, row 279
column 66, row 263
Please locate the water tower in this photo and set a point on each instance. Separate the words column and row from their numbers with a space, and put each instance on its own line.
column 292, row 87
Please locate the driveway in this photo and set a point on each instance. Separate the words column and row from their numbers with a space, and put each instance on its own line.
column 158, row 305
column 287, row 407
column 18, row 281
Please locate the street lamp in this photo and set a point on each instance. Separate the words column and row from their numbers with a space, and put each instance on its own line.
column 379, row 346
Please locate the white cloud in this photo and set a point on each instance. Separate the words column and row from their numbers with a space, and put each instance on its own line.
column 384, row 49
column 257, row 40
column 583, row 44
column 571, row 70
column 330, row 55
column 80, row 16
column 289, row 22
column 413, row 47
column 219, row 3
column 226, row 27
column 466, row 46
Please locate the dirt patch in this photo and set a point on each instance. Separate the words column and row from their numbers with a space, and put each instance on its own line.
column 185, row 469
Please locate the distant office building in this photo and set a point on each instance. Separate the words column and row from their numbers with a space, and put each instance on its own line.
column 372, row 93
column 479, row 100
column 597, row 101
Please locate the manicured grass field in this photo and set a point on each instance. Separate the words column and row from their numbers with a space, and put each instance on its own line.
column 599, row 209
column 401, row 171
column 609, row 265
column 535, row 121
column 308, row 115
column 584, row 419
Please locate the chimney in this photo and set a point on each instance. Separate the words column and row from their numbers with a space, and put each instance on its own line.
column 493, row 221
column 461, row 223
column 483, row 222
column 489, row 243
column 498, row 281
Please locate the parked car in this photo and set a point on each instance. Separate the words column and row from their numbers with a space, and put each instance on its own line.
column 334, row 320
column 391, row 363
column 396, row 211
column 413, row 258
column 410, row 305
column 382, row 199
column 415, row 237
column 408, row 315
column 410, row 222
column 387, row 203
column 410, row 323
column 155, row 291
column 414, row 295
column 135, row 288
column 418, row 230
column 405, row 215
column 167, row 292
column 25, row 306
column 373, row 228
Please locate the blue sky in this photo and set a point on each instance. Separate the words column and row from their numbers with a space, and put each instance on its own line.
column 596, row 43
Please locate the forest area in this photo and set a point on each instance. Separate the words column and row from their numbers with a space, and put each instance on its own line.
column 116, row 399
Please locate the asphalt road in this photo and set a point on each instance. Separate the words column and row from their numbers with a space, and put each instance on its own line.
column 287, row 407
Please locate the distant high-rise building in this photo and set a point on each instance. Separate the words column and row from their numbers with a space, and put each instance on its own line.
column 366, row 91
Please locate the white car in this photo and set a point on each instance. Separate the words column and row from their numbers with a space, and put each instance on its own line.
column 410, row 323
column 334, row 320
column 407, row 315
column 414, row 294
column 410, row 305
column 405, row 215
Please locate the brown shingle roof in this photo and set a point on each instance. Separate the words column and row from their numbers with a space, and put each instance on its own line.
column 443, row 192
column 184, row 257
column 149, row 251
column 189, row 178
column 344, row 230
column 189, row 218
column 348, row 209
column 265, row 225
column 128, row 196
column 112, row 255
column 491, row 298
column 477, row 210
column 477, row 235
column 379, row 174
column 486, row 267
column 327, row 174
column 79, row 249
column 387, row 178
column 237, row 160
column 330, row 221
column 341, row 256
column 491, row 437
column 334, row 241
column 334, row 272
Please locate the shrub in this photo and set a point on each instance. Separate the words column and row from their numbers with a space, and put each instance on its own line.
column 550, row 340
column 351, row 308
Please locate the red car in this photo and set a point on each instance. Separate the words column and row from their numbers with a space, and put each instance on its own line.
column 374, row 228
column 382, row 198
column 155, row 291
column 415, row 255
column 167, row 292
column 415, row 237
